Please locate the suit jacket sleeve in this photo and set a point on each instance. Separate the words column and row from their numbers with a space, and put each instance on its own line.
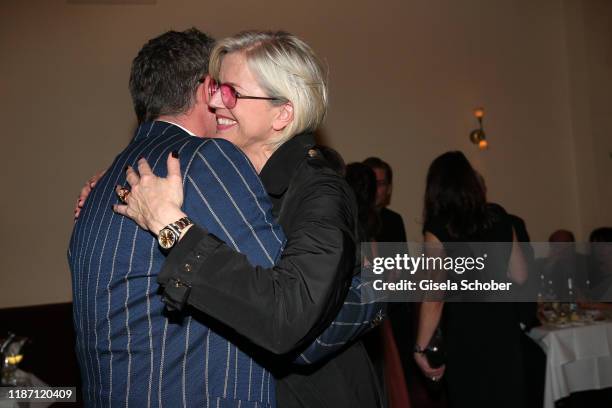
column 281, row 308
column 362, row 310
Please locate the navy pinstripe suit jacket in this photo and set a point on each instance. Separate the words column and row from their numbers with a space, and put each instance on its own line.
column 129, row 352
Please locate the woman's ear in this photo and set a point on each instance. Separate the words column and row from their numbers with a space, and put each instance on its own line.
column 284, row 116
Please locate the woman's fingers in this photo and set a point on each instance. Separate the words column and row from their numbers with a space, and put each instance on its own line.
column 94, row 180
column 151, row 201
column 143, row 168
column 120, row 209
column 174, row 165
column 429, row 372
column 131, row 176
column 437, row 372
column 127, row 211
column 85, row 191
column 81, row 200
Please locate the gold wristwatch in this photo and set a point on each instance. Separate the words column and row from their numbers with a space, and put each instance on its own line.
column 169, row 235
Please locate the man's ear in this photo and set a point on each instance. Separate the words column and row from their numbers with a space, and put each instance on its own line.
column 205, row 87
column 284, row 116
column 202, row 91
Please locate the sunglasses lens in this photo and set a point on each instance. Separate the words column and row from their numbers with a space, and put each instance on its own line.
column 228, row 96
column 212, row 87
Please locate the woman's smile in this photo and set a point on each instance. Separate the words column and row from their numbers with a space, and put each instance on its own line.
column 224, row 123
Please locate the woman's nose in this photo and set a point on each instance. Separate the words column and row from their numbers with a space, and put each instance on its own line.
column 215, row 100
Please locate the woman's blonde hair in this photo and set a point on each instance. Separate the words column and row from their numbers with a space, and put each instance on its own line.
column 285, row 68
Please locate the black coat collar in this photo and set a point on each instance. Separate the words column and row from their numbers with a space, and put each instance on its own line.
column 278, row 171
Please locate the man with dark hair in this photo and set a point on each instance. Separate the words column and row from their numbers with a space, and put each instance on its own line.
column 562, row 236
column 131, row 349
column 166, row 73
column 391, row 229
column 564, row 271
column 392, row 224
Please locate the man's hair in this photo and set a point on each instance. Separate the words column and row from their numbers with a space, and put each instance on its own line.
column 562, row 236
column 362, row 180
column 376, row 163
column 166, row 72
column 603, row 234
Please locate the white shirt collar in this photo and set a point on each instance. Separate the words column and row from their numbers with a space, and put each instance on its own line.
column 176, row 124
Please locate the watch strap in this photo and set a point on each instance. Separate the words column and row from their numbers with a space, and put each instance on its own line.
column 179, row 225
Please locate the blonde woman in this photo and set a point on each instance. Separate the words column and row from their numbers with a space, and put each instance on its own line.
column 269, row 93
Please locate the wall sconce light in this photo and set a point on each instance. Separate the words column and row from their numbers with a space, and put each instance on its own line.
column 478, row 136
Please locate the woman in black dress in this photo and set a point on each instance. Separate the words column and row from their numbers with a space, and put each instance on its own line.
column 482, row 340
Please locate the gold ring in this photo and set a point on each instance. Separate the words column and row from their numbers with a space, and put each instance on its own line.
column 123, row 194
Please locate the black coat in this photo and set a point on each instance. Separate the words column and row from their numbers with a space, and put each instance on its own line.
column 298, row 298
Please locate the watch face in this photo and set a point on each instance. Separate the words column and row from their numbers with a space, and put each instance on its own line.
column 167, row 238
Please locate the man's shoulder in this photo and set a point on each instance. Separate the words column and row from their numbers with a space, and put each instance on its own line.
column 391, row 215
column 212, row 147
column 214, row 155
column 217, row 161
column 160, row 135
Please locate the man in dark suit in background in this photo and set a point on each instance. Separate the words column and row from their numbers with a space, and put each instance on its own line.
column 564, row 270
column 392, row 230
column 392, row 224
column 534, row 358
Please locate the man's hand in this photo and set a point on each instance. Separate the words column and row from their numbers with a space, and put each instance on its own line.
column 153, row 202
column 89, row 185
column 434, row 374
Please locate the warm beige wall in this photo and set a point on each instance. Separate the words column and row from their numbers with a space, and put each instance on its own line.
column 588, row 36
column 405, row 76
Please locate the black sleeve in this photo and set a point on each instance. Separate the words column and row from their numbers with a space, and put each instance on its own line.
column 280, row 308
column 401, row 231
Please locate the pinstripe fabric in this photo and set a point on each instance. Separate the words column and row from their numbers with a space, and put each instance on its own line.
column 362, row 310
column 129, row 353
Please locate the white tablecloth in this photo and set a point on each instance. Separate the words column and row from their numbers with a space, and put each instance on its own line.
column 578, row 358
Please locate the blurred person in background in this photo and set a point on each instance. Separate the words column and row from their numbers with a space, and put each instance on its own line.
column 391, row 229
column 380, row 343
column 482, row 340
column 564, row 272
column 391, row 223
column 600, row 273
column 534, row 358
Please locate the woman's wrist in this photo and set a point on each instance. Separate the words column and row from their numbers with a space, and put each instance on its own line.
column 168, row 218
column 421, row 342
